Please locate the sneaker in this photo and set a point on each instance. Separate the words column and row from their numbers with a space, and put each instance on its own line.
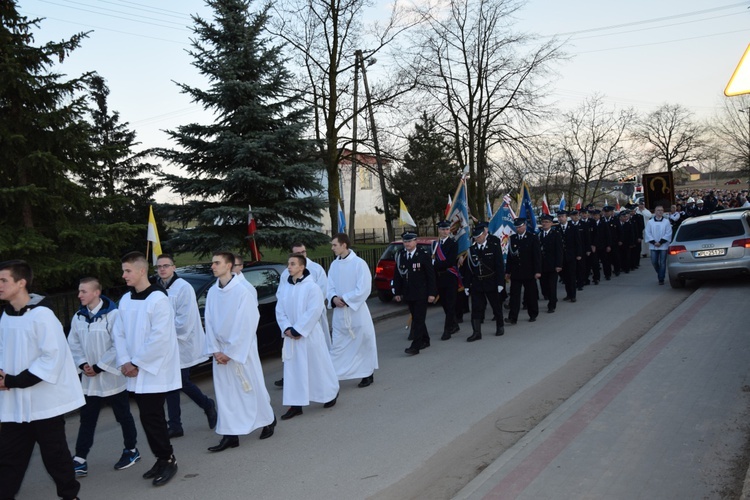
column 127, row 459
column 81, row 469
column 167, row 470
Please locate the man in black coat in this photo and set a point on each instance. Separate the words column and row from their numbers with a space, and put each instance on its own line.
column 626, row 241
column 550, row 243
column 414, row 283
column 614, row 234
column 484, row 276
column 601, row 246
column 583, row 233
column 524, row 267
column 639, row 225
column 572, row 253
column 444, row 255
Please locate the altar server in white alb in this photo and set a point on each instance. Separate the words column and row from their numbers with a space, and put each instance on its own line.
column 93, row 348
column 148, row 355
column 38, row 385
column 308, row 371
column 190, row 339
column 354, row 353
column 318, row 275
column 231, row 323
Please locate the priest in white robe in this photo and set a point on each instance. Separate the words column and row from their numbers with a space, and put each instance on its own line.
column 308, row 371
column 354, row 352
column 232, row 318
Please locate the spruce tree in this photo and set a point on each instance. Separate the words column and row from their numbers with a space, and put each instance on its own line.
column 429, row 173
column 120, row 183
column 253, row 154
column 44, row 154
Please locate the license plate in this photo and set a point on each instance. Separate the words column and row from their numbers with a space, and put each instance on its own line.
column 710, row 253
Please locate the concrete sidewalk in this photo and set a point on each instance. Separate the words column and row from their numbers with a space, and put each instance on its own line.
column 666, row 419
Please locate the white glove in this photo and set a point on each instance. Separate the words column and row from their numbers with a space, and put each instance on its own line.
column 499, row 288
column 466, row 291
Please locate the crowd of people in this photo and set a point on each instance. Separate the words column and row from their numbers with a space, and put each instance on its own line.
column 696, row 202
column 147, row 345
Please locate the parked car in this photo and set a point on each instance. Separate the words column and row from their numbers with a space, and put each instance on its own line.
column 710, row 246
column 733, row 182
column 264, row 276
column 387, row 264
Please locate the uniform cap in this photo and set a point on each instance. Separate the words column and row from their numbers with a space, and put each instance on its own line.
column 562, row 212
column 444, row 224
column 408, row 236
column 546, row 217
column 608, row 208
column 477, row 231
column 519, row 221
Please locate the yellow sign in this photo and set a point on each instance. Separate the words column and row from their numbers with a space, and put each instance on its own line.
column 740, row 82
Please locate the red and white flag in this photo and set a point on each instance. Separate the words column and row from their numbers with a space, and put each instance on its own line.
column 251, row 228
column 578, row 204
column 545, row 205
column 448, row 206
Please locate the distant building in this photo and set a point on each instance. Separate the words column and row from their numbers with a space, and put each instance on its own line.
column 686, row 174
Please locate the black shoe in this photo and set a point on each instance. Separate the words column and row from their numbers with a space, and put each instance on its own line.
column 580, row 288
column 211, row 413
column 531, row 320
column 411, row 351
column 511, row 321
column 279, row 383
column 551, row 310
column 226, row 442
column 500, row 331
column 608, row 278
column 455, row 329
column 566, row 298
column 292, row 412
column 268, row 430
column 460, row 319
column 573, row 299
column 425, row 345
column 446, row 336
column 366, row 381
column 153, row 471
column 176, row 433
column 167, row 470
column 474, row 336
column 331, row 403
column 596, row 282
column 617, row 274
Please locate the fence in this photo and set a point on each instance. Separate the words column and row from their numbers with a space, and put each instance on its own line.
column 373, row 235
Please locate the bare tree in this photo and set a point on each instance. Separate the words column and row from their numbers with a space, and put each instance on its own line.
column 322, row 37
column 732, row 131
column 671, row 135
column 482, row 79
column 594, row 146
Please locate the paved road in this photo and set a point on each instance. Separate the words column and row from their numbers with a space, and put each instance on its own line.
column 667, row 419
column 427, row 426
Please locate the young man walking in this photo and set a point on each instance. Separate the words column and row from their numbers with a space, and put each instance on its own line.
column 148, row 355
column 93, row 348
column 38, row 385
column 190, row 339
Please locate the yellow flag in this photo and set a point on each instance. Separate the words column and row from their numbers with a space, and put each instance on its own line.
column 153, row 235
column 404, row 217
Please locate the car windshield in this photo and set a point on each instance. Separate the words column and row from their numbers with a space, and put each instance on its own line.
column 710, row 230
column 390, row 252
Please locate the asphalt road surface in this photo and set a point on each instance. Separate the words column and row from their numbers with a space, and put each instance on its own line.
column 427, row 426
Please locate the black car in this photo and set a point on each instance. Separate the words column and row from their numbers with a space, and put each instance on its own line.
column 264, row 277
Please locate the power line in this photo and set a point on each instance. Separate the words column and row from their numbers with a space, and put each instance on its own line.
column 116, row 17
column 182, row 24
column 651, row 20
column 78, row 23
column 654, row 27
column 150, row 7
column 664, row 41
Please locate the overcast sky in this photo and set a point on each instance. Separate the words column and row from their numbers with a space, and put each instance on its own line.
column 640, row 53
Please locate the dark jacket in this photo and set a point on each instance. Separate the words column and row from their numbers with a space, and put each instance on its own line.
column 445, row 256
column 524, row 257
column 572, row 247
column 485, row 270
column 552, row 250
column 414, row 279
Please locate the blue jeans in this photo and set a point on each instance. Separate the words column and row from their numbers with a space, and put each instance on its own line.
column 120, row 404
column 659, row 261
column 173, row 400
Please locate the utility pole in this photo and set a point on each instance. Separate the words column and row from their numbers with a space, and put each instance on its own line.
column 353, row 192
column 378, row 159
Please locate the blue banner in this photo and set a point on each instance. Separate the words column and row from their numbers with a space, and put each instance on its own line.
column 342, row 220
column 526, row 209
column 459, row 219
column 501, row 225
